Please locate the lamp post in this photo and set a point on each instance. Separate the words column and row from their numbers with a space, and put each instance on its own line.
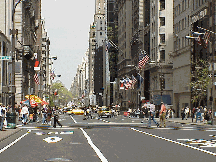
column 13, row 32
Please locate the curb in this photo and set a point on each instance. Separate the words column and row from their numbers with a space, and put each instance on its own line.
column 2, row 139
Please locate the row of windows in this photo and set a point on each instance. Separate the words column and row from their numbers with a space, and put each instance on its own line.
column 181, row 43
column 182, row 24
column 181, row 7
column 186, row 4
column 197, row 3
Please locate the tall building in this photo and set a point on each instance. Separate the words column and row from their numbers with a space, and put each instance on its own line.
column 161, row 48
column 112, row 35
column 100, row 36
column 182, row 51
column 137, row 46
column 91, row 57
column 124, row 48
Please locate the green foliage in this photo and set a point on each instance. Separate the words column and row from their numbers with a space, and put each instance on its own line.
column 200, row 82
column 64, row 95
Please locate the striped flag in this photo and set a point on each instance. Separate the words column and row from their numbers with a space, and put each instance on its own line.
column 143, row 59
column 134, row 80
column 36, row 78
column 206, row 38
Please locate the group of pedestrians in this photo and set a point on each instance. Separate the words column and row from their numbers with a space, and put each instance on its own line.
column 47, row 114
column 201, row 113
column 152, row 112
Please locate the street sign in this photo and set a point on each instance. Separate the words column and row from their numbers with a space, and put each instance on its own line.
column 5, row 57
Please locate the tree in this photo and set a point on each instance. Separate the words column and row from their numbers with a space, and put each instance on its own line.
column 63, row 96
column 200, row 81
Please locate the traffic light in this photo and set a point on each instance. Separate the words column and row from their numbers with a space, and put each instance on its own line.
column 162, row 82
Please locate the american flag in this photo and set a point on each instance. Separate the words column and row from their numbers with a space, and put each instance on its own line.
column 206, row 37
column 36, row 78
column 143, row 59
column 134, row 80
column 127, row 83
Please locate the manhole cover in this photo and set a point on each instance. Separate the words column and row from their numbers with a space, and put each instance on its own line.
column 57, row 159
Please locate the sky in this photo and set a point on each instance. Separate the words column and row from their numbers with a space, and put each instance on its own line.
column 68, row 23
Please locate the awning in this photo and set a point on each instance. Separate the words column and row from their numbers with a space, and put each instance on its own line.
column 165, row 98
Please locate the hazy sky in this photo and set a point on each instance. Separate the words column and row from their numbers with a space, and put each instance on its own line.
column 68, row 23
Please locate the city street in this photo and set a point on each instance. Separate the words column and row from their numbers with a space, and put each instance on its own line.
column 109, row 139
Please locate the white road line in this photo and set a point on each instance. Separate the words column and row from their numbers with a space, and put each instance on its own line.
column 73, row 119
column 179, row 143
column 12, row 143
column 97, row 151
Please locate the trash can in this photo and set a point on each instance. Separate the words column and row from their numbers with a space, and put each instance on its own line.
column 11, row 120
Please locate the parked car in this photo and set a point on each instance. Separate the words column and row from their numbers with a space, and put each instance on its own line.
column 104, row 112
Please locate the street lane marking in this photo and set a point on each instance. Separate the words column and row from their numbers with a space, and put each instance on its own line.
column 97, row 151
column 12, row 143
column 73, row 119
column 173, row 141
column 52, row 139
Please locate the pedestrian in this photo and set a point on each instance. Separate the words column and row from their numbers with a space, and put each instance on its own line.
column 2, row 117
column 56, row 120
column 145, row 111
column 183, row 113
column 162, row 114
column 152, row 114
column 186, row 111
column 202, row 113
column 49, row 115
column 113, row 112
column 44, row 116
column 25, row 112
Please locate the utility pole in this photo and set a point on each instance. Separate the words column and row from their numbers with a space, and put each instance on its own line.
column 213, row 55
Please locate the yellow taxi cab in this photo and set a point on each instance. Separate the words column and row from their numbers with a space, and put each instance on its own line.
column 77, row 111
column 104, row 112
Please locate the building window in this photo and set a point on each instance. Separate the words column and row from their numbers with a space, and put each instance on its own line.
column 179, row 9
column 162, row 4
column 101, row 28
column 162, row 38
column 179, row 26
column 100, row 22
column 162, row 55
column 162, row 21
column 182, row 42
column 100, row 33
column 188, row 20
column 182, row 27
column 183, row 5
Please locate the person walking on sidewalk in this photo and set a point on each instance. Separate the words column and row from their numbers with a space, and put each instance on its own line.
column 152, row 114
column 25, row 113
column 162, row 114
column 2, row 117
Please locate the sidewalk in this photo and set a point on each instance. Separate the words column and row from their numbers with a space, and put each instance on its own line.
column 5, row 133
column 188, row 121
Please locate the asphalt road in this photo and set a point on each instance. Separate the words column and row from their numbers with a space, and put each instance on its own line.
column 117, row 139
